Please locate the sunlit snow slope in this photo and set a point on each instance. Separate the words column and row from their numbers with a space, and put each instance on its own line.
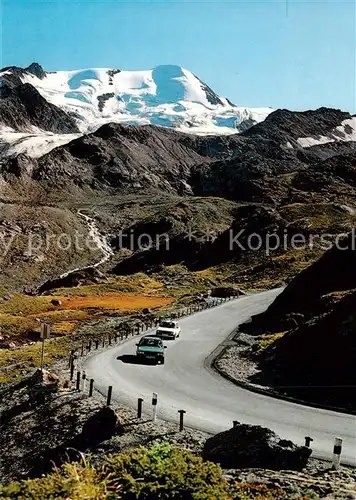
column 167, row 95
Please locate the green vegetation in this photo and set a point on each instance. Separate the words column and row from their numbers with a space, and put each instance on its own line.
column 266, row 341
column 71, row 482
column 163, row 471
column 319, row 216
column 136, row 283
column 160, row 471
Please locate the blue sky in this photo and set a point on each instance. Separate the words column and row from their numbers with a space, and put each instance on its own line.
column 292, row 54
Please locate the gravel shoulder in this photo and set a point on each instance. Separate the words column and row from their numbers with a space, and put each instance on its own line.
column 235, row 363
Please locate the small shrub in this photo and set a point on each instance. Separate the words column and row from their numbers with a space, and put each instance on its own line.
column 163, row 471
column 71, row 482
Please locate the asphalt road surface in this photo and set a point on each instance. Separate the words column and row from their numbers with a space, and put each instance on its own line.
column 186, row 382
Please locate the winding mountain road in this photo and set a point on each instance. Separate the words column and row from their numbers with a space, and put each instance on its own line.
column 187, row 382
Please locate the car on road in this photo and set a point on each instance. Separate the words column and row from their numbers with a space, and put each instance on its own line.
column 151, row 348
column 168, row 329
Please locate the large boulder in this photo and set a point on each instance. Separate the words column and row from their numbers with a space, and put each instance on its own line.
column 103, row 425
column 253, row 446
column 82, row 277
column 56, row 302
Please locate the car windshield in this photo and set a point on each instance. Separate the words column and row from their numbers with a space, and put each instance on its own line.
column 151, row 342
column 167, row 324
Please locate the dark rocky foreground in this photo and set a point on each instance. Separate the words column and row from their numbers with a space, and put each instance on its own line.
column 316, row 315
column 43, row 422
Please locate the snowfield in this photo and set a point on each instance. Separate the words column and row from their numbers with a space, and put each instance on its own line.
column 346, row 132
column 35, row 143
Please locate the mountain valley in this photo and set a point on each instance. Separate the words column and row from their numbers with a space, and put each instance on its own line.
column 157, row 207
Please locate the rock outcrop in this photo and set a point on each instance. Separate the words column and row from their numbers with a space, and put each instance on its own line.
column 315, row 361
column 22, row 107
column 335, row 271
column 85, row 276
column 249, row 446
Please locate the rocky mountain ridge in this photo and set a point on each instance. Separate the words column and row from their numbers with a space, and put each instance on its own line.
column 152, row 166
column 117, row 156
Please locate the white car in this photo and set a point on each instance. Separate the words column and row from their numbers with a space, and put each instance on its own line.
column 168, row 329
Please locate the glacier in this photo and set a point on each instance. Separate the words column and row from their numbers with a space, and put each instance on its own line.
column 168, row 96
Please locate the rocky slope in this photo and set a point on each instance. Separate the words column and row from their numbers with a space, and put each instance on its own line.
column 39, row 240
column 58, row 423
column 140, row 171
column 326, row 344
column 254, row 166
column 56, row 420
column 306, row 295
column 316, row 317
column 22, row 107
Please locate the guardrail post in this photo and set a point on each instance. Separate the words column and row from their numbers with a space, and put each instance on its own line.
column 96, row 344
column 139, row 407
column 308, row 440
column 181, row 419
column 109, row 339
column 78, row 381
column 70, row 360
column 108, row 399
column 154, row 405
column 91, row 387
column 72, row 370
column 337, row 453
column 84, row 377
column 104, row 341
column 89, row 346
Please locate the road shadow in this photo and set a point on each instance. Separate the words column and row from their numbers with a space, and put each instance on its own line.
column 135, row 360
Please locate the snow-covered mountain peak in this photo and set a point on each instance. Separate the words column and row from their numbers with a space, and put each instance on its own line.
column 167, row 95
column 167, row 84
column 83, row 100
